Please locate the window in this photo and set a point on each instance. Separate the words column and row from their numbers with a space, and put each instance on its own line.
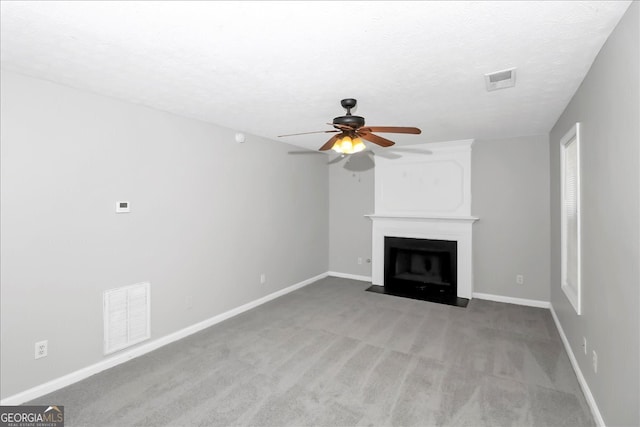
column 570, row 215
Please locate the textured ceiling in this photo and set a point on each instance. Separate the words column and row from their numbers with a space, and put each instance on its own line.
column 268, row 68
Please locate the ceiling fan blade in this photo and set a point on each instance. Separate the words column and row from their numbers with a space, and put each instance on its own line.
column 383, row 142
column 327, row 145
column 392, row 129
column 309, row 133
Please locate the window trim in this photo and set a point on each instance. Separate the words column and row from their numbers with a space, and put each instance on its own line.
column 573, row 293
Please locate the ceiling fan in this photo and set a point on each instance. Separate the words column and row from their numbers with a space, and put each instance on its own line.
column 350, row 131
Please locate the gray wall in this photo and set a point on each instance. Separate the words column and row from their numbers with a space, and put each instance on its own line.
column 351, row 197
column 607, row 105
column 510, row 194
column 208, row 216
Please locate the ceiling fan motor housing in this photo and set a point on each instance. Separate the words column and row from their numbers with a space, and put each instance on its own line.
column 353, row 122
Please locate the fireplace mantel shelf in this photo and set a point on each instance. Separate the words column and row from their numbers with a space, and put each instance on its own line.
column 440, row 218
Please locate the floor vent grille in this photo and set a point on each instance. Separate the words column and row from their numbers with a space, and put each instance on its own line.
column 126, row 316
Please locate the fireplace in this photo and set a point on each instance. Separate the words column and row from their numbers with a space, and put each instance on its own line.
column 424, row 269
column 421, row 266
column 423, row 208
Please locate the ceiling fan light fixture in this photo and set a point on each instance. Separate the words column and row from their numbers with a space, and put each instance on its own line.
column 358, row 145
column 348, row 145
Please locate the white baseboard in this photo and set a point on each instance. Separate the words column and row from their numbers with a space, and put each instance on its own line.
column 591, row 401
column 350, row 276
column 512, row 300
column 73, row 377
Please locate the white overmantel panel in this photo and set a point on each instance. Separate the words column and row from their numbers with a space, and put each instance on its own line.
column 436, row 184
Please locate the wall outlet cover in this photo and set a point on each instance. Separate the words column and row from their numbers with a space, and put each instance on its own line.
column 41, row 349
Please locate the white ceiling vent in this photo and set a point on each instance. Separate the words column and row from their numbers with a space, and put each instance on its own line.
column 500, row 79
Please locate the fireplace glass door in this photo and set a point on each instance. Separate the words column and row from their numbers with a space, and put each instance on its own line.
column 421, row 266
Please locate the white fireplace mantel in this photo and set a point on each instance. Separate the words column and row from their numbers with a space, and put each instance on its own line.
column 426, row 197
column 457, row 229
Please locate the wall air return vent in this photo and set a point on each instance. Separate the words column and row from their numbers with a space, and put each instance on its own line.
column 500, row 79
column 126, row 316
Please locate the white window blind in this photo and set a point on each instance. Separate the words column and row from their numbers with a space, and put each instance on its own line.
column 570, row 164
column 126, row 316
column 571, row 210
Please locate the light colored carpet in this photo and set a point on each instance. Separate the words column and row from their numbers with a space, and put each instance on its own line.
column 331, row 354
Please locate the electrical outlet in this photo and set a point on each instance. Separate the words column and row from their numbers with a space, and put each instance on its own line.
column 595, row 362
column 42, row 349
column 189, row 302
column 520, row 279
column 359, row 260
column 584, row 344
column 263, row 279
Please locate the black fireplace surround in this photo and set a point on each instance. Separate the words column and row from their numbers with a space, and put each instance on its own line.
column 422, row 269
